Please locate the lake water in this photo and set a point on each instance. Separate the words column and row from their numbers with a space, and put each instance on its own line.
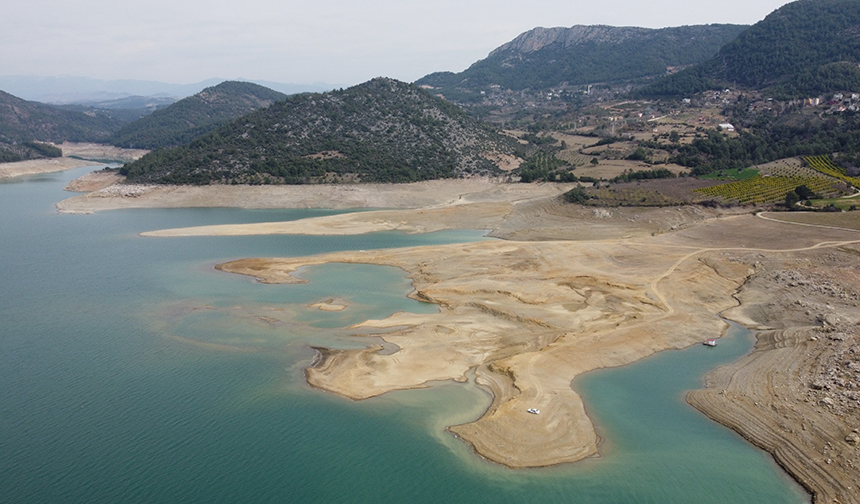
column 131, row 371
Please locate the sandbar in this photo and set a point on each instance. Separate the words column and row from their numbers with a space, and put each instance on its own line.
column 37, row 166
column 330, row 196
column 329, row 305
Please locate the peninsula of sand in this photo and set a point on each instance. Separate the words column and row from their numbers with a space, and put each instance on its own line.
column 75, row 155
column 567, row 289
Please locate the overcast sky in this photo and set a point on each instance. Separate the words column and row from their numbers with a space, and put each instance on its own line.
column 339, row 42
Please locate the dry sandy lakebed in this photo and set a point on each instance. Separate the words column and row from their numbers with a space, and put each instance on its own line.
column 568, row 289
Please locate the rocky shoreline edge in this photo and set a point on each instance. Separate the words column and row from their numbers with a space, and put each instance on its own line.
column 797, row 394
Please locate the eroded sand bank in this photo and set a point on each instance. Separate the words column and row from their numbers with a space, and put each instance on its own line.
column 575, row 289
column 529, row 317
column 797, row 395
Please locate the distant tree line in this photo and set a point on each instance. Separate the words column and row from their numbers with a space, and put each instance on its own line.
column 630, row 175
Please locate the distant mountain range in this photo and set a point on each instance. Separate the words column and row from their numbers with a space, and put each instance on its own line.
column 84, row 90
column 123, row 110
column 543, row 58
column 380, row 131
column 807, row 47
column 191, row 117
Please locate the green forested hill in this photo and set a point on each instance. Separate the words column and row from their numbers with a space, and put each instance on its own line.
column 546, row 57
column 382, row 130
column 26, row 121
column 803, row 48
column 27, row 150
column 193, row 116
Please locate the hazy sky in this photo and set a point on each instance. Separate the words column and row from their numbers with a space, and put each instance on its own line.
column 338, row 42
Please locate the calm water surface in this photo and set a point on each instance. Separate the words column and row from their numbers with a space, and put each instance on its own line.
column 131, row 371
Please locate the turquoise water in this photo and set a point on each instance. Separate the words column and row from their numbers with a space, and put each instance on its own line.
column 131, row 371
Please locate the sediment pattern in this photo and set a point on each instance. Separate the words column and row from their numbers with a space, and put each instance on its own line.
column 797, row 395
column 529, row 317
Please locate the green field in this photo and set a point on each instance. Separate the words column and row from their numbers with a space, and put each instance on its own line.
column 840, row 203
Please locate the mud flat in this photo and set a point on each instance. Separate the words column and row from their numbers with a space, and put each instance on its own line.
column 94, row 181
column 521, row 213
column 331, row 196
column 330, row 305
column 101, row 152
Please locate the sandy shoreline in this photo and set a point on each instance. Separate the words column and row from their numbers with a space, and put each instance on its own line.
column 570, row 290
column 36, row 166
column 330, row 196
column 75, row 155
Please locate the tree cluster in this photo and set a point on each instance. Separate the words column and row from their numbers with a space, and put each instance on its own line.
column 717, row 151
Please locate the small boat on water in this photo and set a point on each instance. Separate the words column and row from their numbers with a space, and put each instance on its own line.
column 534, row 411
column 710, row 342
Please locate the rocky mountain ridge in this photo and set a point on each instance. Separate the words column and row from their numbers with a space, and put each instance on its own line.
column 555, row 58
column 538, row 38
